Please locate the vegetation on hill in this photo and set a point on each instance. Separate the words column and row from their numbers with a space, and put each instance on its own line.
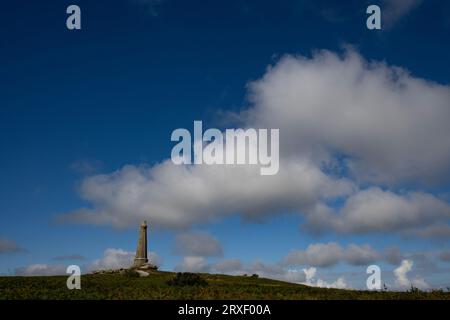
column 168, row 285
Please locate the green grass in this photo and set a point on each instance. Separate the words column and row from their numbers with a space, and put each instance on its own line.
column 116, row 286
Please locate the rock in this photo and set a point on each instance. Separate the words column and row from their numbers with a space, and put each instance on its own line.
column 142, row 273
column 147, row 266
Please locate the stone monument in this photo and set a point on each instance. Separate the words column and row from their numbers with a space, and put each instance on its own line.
column 140, row 265
column 141, row 252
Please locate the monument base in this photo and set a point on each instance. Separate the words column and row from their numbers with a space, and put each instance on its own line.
column 145, row 267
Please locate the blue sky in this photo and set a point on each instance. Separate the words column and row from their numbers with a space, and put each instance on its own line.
column 76, row 104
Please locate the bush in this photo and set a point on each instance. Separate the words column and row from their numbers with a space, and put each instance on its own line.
column 414, row 290
column 255, row 276
column 187, row 279
column 130, row 273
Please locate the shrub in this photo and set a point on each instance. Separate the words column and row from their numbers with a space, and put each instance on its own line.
column 255, row 276
column 130, row 273
column 414, row 290
column 187, row 279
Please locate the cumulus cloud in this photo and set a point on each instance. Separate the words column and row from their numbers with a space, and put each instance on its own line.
column 119, row 258
column 394, row 10
column 112, row 259
column 174, row 196
column 393, row 255
column 435, row 230
column 375, row 210
column 330, row 254
column 338, row 284
column 228, row 266
column 41, row 270
column 199, row 244
column 403, row 282
column 310, row 274
column 236, row 267
column 388, row 125
column 277, row 271
column 193, row 264
column 401, row 271
column 9, row 246
column 344, row 123
column 274, row 271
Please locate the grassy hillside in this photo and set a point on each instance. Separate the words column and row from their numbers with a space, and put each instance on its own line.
column 156, row 286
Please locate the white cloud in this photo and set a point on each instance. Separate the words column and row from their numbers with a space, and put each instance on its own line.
column 437, row 230
column 275, row 271
column 289, row 275
column 41, row 269
column 375, row 210
column 420, row 283
column 197, row 244
column 403, row 282
column 393, row 255
column 193, row 264
column 387, row 126
column 228, row 266
column 400, row 273
column 319, row 254
column 236, row 267
column 119, row 258
column 310, row 274
column 271, row 271
column 112, row 259
column 330, row 254
column 360, row 255
column 338, row 284
column 178, row 196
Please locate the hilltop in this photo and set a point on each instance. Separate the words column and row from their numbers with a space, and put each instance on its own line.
column 160, row 285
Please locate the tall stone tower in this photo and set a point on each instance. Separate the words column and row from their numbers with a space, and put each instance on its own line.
column 141, row 251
